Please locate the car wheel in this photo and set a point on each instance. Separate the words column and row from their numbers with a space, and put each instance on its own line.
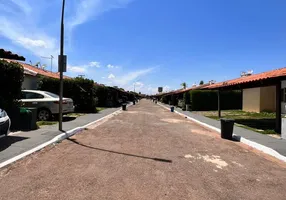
column 44, row 114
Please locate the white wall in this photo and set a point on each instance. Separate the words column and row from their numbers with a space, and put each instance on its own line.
column 30, row 82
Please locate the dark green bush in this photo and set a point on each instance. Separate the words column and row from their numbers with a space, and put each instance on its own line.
column 203, row 100
column 187, row 98
column 173, row 100
column 165, row 99
column 81, row 90
column 11, row 78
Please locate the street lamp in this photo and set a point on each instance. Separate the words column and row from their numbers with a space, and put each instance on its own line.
column 62, row 60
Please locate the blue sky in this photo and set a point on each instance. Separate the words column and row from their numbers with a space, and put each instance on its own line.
column 150, row 42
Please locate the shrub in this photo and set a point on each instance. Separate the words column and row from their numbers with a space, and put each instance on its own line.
column 187, row 98
column 203, row 100
column 165, row 99
column 11, row 78
column 173, row 100
column 81, row 90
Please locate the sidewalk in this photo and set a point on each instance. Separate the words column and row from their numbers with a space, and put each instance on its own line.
column 278, row 145
column 18, row 143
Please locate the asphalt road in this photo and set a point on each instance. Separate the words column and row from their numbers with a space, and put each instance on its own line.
column 145, row 153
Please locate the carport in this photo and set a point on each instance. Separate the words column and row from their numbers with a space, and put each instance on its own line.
column 270, row 78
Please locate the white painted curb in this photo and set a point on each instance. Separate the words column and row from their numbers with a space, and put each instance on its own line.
column 58, row 138
column 250, row 143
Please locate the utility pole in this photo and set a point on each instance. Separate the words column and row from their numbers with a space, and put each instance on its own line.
column 62, row 68
column 51, row 58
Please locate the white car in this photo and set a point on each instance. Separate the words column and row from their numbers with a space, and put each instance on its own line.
column 47, row 103
column 5, row 123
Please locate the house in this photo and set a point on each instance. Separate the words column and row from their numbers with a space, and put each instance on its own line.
column 32, row 75
column 258, row 90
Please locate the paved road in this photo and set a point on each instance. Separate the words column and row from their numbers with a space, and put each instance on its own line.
column 20, row 142
column 145, row 153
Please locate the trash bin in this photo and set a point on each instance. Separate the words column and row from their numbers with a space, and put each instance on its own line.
column 133, row 102
column 25, row 119
column 226, row 128
column 123, row 106
column 33, row 122
column 172, row 108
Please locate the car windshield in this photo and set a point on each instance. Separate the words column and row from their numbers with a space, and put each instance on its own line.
column 52, row 94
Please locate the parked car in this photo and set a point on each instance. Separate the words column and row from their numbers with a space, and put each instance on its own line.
column 47, row 103
column 5, row 123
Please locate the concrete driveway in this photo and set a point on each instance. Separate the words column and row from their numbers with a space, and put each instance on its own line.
column 145, row 153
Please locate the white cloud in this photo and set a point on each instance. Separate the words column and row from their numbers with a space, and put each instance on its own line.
column 76, row 69
column 94, row 64
column 24, row 24
column 111, row 76
column 29, row 42
column 109, row 66
column 139, row 84
column 23, row 5
column 87, row 10
column 131, row 76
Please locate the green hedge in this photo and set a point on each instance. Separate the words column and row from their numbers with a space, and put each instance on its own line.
column 204, row 100
column 11, row 78
column 81, row 90
column 86, row 94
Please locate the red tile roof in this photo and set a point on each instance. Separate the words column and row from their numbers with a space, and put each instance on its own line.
column 252, row 78
column 10, row 55
column 39, row 70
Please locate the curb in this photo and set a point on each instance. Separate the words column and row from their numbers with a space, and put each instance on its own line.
column 243, row 140
column 58, row 138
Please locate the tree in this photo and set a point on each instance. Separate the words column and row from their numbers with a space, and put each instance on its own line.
column 201, row 82
column 184, row 85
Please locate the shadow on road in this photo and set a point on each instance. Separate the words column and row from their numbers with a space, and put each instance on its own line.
column 120, row 153
column 5, row 142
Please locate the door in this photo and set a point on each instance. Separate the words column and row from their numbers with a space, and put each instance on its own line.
column 31, row 99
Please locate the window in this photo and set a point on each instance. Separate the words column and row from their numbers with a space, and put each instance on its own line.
column 52, row 94
column 31, row 95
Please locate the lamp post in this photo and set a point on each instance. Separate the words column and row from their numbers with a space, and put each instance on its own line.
column 62, row 66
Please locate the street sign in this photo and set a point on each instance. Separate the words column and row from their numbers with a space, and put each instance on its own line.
column 160, row 89
column 64, row 66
